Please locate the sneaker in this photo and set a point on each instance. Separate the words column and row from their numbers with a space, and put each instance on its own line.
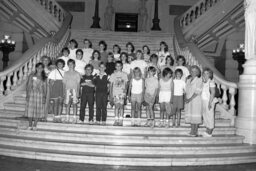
column 161, row 124
column 120, row 123
column 80, row 122
column 167, row 124
column 115, row 123
column 34, row 128
column 104, row 123
column 91, row 122
column 152, row 123
column 206, row 135
column 97, row 123
column 29, row 128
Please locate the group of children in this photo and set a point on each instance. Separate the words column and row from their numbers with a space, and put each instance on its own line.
column 87, row 76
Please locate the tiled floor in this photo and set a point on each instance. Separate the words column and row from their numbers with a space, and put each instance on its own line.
column 17, row 164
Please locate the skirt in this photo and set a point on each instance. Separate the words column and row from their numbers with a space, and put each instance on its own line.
column 178, row 102
column 56, row 89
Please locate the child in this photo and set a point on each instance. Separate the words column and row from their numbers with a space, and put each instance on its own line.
column 47, row 62
column 169, row 62
column 87, row 50
column 56, row 88
column 72, row 48
column 130, row 51
column 126, row 65
column 165, row 96
column 101, row 84
column 208, row 101
column 36, row 96
column 162, row 53
column 178, row 98
column 140, row 63
column 136, row 90
column 181, row 62
column 110, row 65
column 118, row 90
column 151, row 90
column 65, row 57
column 88, row 89
column 146, row 53
column 80, row 64
column 95, row 61
column 103, row 51
column 116, row 52
column 71, row 81
column 153, row 63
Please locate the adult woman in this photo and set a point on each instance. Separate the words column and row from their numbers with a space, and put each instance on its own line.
column 36, row 96
column 208, row 101
column 193, row 114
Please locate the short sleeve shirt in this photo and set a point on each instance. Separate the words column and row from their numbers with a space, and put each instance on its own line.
column 179, row 87
column 151, row 85
column 119, row 80
column 71, row 79
column 56, row 74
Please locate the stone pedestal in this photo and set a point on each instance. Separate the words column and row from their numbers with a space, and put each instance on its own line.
column 246, row 120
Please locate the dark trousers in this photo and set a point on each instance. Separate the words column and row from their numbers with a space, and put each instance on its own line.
column 87, row 98
column 101, row 106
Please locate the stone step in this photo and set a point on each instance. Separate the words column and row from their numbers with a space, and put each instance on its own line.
column 40, row 143
column 111, row 38
column 111, row 130
column 9, row 114
column 132, row 160
column 118, row 137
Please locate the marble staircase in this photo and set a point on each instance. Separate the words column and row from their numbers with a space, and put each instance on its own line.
column 109, row 145
column 152, row 39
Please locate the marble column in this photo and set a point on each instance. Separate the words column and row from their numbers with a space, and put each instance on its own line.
column 156, row 20
column 96, row 18
column 246, row 119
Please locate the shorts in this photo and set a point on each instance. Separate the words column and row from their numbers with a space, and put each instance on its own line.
column 149, row 99
column 71, row 96
column 136, row 98
column 165, row 96
column 178, row 102
column 119, row 99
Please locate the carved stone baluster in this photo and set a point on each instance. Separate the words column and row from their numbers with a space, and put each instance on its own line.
column 50, row 7
column 14, row 80
column 30, row 63
column 25, row 76
column 201, row 8
column 232, row 92
column 224, row 96
column 2, row 85
column 8, row 84
column 191, row 16
column 20, row 75
column 34, row 63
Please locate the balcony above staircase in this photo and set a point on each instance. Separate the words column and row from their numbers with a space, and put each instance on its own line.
column 209, row 21
column 39, row 18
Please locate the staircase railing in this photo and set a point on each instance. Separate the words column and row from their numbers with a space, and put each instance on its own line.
column 18, row 72
column 54, row 9
column 196, row 11
column 195, row 57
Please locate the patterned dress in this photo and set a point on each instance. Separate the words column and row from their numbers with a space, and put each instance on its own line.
column 36, row 97
column 193, row 114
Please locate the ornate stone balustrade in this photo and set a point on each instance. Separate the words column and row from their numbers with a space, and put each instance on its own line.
column 54, row 9
column 228, row 89
column 196, row 11
column 17, row 73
